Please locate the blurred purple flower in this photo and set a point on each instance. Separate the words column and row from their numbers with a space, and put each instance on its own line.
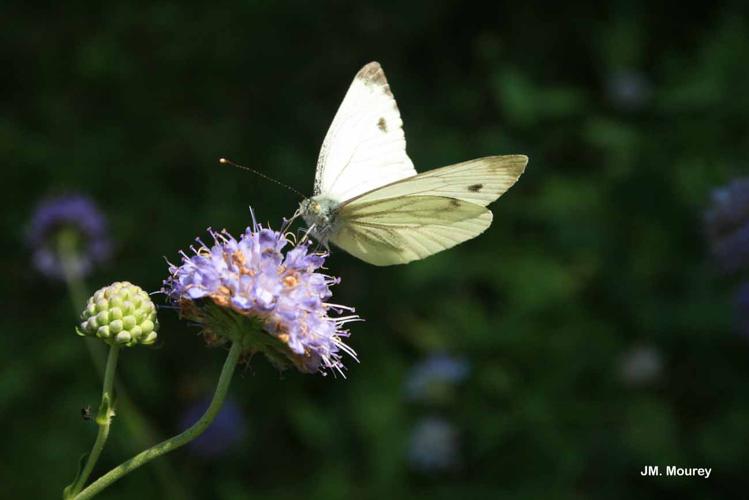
column 727, row 225
column 629, row 90
column 640, row 365
column 729, row 207
column 741, row 305
column 731, row 252
column 433, row 445
column 282, row 293
column 226, row 430
column 73, row 220
column 433, row 377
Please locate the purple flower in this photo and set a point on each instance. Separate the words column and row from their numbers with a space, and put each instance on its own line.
column 281, row 297
column 68, row 235
column 727, row 225
column 226, row 430
column 433, row 377
column 433, row 445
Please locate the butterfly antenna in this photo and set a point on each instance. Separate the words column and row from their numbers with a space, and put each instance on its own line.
column 224, row 161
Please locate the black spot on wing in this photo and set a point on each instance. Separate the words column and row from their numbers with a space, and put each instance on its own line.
column 475, row 188
column 454, row 202
column 382, row 124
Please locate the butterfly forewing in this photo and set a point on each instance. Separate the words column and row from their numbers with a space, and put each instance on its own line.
column 479, row 181
column 370, row 201
column 365, row 146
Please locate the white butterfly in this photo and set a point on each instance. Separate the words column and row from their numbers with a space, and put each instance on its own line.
column 368, row 198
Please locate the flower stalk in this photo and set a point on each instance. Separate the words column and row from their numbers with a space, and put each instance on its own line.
column 171, row 444
column 136, row 424
column 69, row 237
column 103, row 420
column 247, row 293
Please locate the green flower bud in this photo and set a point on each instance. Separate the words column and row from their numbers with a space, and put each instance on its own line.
column 121, row 314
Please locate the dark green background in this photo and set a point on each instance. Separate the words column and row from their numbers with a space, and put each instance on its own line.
column 599, row 248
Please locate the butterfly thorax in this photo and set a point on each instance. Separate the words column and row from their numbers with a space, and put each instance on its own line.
column 320, row 213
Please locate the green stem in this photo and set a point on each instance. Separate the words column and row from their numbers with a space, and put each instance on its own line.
column 67, row 252
column 174, row 442
column 136, row 424
column 103, row 419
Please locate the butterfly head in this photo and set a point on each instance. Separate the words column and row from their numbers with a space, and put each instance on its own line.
column 319, row 213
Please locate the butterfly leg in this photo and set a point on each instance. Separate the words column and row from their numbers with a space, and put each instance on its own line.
column 307, row 232
column 288, row 222
column 322, row 244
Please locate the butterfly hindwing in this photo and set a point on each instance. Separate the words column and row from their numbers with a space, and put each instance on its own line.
column 370, row 201
column 400, row 230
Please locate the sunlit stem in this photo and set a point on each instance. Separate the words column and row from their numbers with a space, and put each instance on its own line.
column 177, row 441
column 135, row 423
column 103, row 419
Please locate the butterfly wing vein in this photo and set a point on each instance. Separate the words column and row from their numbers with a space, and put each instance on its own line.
column 385, row 212
column 365, row 146
column 397, row 231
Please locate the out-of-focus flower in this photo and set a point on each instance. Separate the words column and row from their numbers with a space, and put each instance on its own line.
column 741, row 307
column 121, row 314
column 250, row 291
column 729, row 207
column 732, row 251
column 434, row 445
column 227, row 429
column 727, row 225
column 433, row 378
column 69, row 236
column 629, row 90
column 640, row 365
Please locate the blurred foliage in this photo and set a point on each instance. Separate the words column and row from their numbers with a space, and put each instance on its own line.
column 631, row 112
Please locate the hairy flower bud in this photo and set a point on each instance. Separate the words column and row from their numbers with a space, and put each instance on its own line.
column 121, row 314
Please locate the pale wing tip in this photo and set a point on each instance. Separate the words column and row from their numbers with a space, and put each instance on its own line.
column 516, row 159
column 372, row 73
column 514, row 163
column 373, row 78
column 371, row 66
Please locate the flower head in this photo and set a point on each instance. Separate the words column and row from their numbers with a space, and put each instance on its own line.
column 122, row 314
column 434, row 377
column 727, row 225
column 249, row 290
column 68, row 235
